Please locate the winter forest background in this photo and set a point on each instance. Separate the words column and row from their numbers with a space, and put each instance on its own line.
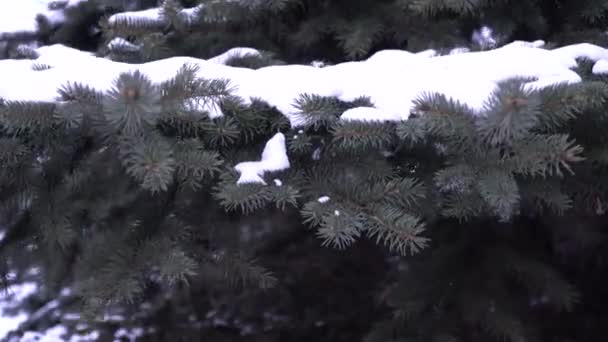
column 303, row 170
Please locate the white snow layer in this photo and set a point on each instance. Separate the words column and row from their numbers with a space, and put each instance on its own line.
column 58, row 334
column 20, row 15
column 600, row 67
column 391, row 78
column 152, row 15
column 274, row 158
column 11, row 300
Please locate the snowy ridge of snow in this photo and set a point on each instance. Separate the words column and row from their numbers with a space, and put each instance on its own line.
column 152, row 14
column 366, row 114
column 57, row 334
column 122, row 43
column 391, row 78
column 234, row 52
column 274, row 158
column 11, row 300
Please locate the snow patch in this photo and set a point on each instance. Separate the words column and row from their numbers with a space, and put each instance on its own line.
column 323, row 199
column 131, row 334
column 370, row 114
column 11, row 300
column 458, row 50
column 274, row 158
column 600, row 67
column 153, row 15
column 121, row 43
column 233, row 53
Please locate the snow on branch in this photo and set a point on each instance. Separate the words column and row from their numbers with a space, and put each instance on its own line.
column 392, row 79
column 274, row 158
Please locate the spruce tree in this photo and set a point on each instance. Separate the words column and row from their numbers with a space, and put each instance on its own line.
column 453, row 225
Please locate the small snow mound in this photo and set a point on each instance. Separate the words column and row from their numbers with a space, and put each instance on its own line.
column 233, row 53
column 389, row 56
column 118, row 43
column 278, row 182
column 151, row 14
column 274, row 158
column 520, row 43
column 323, row 199
column 458, row 50
column 600, row 67
column 317, row 64
column 370, row 114
column 427, row 53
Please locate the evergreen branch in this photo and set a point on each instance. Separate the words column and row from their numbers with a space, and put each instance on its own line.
column 560, row 103
column 405, row 192
column 41, row 67
column 463, row 206
column 340, row 229
column 170, row 12
column 300, row 144
column 132, row 103
column 83, row 94
column 317, row 111
column 357, row 38
column 164, row 258
column 313, row 212
column 413, row 131
column 221, row 132
column 398, row 230
column 241, row 273
column 285, row 195
column 459, row 178
column 442, row 117
column 311, row 31
column 13, row 153
column 19, row 118
column 180, row 86
column 544, row 155
column 57, row 231
column 548, row 195
column 193, row 163
column 362, row 136
column 244, row 197
column 252, row 120
column 510, row 113
column 500, row 191
column 150, row 161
